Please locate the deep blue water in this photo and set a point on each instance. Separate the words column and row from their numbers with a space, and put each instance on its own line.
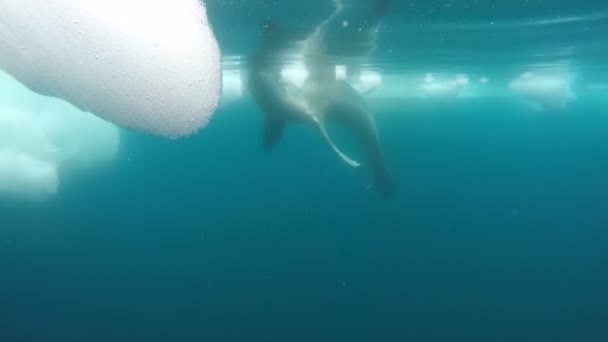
column 497, row 232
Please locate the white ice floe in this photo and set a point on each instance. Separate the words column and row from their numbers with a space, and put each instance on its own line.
column 549, row 91
column 148, row 65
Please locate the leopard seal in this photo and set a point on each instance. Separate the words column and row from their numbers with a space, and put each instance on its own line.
column 320, row 99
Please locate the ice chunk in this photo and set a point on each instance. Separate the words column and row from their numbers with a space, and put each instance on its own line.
column 460, row 81
column 545, row 90
column 148, row 65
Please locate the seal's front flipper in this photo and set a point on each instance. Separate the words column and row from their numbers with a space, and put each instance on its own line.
column 272, row 132
column 340, row 154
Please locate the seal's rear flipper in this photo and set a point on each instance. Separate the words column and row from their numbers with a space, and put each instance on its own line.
column 272, row 132
column 382, row 179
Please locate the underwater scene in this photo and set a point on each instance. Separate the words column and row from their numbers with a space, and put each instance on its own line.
column 319, row 170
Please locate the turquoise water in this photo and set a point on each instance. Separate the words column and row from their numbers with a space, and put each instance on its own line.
column 497, row 230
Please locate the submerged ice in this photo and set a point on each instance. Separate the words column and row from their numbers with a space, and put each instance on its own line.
column 40, row 136
column 148, row 65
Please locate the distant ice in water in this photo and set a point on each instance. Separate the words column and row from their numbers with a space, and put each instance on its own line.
column 443, row 88
column 295, row 73
column 364, row 82
column 341, row 72
column 367, row 82
column 543, row 90
column 232, row 86
column 549, row 91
